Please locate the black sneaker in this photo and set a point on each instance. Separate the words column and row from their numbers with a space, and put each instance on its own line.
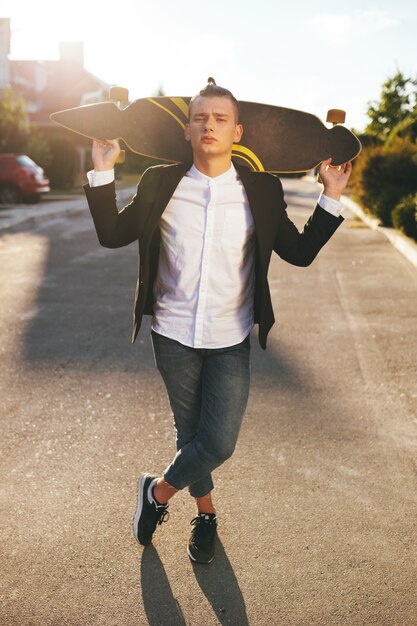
column 149, row 513
column 203, row 536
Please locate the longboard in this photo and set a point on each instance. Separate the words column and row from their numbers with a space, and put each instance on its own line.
column 275, row 139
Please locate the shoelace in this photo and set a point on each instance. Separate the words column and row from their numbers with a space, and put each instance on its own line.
column 164, row 517
column 200, row 528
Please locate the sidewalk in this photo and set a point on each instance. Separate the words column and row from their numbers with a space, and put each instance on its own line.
column 401, row 242
column 54, row 204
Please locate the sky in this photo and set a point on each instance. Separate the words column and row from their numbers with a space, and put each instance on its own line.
column 312, row 56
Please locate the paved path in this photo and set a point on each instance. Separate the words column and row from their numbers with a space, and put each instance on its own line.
column 318, row 504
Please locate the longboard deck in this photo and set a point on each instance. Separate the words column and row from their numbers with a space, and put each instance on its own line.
column 275, row 139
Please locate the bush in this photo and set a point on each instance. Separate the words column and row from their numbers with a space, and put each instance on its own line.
column 37, row 148
column 383, row 176
column 63, row 168
column 404, row 216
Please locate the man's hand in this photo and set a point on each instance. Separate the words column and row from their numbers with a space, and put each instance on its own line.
column 105, row 154
column 334, row 179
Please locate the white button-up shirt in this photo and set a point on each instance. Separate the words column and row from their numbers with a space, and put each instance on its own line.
column 204, row 290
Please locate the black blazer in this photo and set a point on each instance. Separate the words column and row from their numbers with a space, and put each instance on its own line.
column 138, row 221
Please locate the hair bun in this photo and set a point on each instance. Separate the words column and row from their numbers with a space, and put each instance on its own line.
column 211, row 81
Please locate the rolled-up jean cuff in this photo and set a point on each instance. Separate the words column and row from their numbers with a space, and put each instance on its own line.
column 197, row 490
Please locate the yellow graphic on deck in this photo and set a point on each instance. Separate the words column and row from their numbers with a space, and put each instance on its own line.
column 182, row 105
column 158, row 104
column 247, row 155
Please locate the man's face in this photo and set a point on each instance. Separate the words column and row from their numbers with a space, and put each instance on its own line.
column 213, row 128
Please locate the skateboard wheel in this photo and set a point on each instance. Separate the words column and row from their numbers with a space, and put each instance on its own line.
column 119, row 94
column 336, row 116
column 121, row 157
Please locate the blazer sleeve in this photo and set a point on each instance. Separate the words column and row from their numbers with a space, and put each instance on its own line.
column 301, row 248
column 114, row 228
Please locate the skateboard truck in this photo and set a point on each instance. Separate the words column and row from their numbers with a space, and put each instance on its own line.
column 120, row 96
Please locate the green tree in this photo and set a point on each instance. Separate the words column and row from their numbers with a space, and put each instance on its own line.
column 14, row 122
column 407, row 128
column 17, row 134
column 397, row 101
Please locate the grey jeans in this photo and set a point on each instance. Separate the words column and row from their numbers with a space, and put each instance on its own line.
column 208, row 391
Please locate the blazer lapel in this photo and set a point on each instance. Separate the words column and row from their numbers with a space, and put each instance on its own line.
column 168, row 182
column 264, row 212
column 249, row 180
column 254, row 194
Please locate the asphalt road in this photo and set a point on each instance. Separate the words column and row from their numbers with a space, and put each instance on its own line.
column 317, row 506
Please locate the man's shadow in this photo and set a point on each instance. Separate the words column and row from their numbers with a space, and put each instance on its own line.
column 221, row 588
column 216, row 580
column 161, row 607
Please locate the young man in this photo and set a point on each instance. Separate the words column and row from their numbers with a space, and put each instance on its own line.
column 206, row 232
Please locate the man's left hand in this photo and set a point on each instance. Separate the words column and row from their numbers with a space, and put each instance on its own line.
column 334, row 179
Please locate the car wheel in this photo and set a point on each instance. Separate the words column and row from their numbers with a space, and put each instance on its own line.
column 10, row 195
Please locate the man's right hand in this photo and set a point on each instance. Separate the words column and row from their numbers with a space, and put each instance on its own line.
column 105, row 154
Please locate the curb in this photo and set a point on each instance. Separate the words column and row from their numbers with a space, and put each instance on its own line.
column 402, row 243
column 19, row 214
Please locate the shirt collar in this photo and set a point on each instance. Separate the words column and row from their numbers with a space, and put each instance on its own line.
column 231, row 174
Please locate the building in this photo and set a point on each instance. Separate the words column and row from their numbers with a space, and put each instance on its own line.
column 49, row 86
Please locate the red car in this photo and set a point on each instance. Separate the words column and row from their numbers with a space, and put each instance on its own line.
column 21, row 180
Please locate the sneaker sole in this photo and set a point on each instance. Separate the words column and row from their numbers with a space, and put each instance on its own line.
column 141, row 483
column 194, row 560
